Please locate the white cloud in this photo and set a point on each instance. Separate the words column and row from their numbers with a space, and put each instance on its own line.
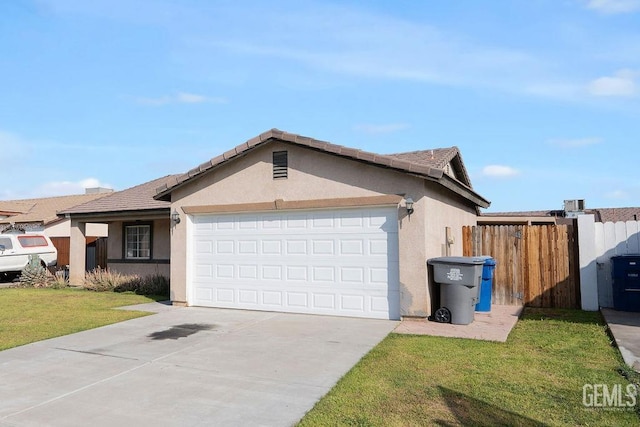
column 622, row 83
column 64, row 188
column 499, row 171
column 614, row 6
column 355, row 42
column 617, row 194
column 380, row 128
column 575, row 143
column 190, row 98
column 179, row 98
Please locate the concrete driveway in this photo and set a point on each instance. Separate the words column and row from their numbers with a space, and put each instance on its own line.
column 184, row 367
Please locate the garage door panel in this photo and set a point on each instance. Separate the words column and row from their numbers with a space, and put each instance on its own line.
column 339, row 262
column 272, row 299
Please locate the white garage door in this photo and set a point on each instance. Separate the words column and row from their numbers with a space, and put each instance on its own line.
column 339, row 262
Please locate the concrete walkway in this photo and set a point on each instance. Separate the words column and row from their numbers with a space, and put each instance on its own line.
column 625, row 328
column 492, row 326
column 184, row 367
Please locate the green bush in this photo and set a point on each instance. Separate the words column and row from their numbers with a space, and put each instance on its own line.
column 155, row 284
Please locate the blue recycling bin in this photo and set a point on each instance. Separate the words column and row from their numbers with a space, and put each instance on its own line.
column 626, row 282
column 486, row 286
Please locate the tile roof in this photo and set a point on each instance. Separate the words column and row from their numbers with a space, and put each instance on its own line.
column 438, row 158
column 43, row 210
column 135, row 198
column 420, row 163
column 617, row 214
column 600, row 214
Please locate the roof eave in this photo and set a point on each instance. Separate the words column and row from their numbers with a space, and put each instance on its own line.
column 462, row 190
column 118, row 215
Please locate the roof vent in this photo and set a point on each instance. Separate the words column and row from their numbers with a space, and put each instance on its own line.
column 280, row 164
column 97, row 190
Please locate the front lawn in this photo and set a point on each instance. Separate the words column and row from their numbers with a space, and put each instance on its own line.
column 536, row 378
column 29, row 315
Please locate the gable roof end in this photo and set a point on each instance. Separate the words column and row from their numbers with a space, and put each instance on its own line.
column 415, row 163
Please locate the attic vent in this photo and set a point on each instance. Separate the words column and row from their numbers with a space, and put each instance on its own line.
column 280, row 164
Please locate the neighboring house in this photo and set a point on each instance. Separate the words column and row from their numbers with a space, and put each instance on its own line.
column 561, row 215
column 138, row 226
column 40, row 216
column 289, row 223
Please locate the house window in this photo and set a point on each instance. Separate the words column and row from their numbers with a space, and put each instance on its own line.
column 137, row 241
column 280, row 164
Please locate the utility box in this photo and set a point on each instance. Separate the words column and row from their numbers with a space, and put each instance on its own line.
column 626, row 282
column 459, row 280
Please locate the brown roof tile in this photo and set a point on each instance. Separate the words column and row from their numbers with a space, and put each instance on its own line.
column 136, row 198
column 600, row 214
column 44, row 210
column 425, row 162
column 438, row 158
column 618, row 214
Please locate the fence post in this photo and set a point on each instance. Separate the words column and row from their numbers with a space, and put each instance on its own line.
column 588, row 268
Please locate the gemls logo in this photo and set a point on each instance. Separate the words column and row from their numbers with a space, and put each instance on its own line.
column 605, row 396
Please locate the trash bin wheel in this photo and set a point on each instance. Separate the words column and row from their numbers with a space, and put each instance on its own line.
column 443, row 315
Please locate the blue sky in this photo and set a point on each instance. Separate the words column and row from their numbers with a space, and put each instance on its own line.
column 541, row 96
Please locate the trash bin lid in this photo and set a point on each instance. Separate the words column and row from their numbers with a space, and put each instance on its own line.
column 626, row 256
column 489, row 261
column 457, row 260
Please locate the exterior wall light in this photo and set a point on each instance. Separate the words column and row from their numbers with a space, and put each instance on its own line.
column 175, row 218
column 409, row 204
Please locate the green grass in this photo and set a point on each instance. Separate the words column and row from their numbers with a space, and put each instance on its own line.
column 29, row 315
column 534, row 379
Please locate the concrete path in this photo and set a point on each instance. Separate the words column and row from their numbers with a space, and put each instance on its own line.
column 489, row 326
column 184, row 367
column 625, row 328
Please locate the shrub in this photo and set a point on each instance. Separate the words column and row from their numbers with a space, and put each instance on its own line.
column 155, row 284
column 105, row 281
column 59, row 280
column 100, row 280
column 34, row 275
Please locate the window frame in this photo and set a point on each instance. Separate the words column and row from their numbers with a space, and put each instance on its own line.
column 126, row 226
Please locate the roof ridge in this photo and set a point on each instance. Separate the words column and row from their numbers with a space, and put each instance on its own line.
column 426, row 168
column 422, row 151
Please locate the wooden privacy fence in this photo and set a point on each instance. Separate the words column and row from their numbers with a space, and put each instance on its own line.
column 96, row 255
column 536, row 265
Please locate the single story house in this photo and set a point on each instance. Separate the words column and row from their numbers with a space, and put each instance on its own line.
column 40, row 215
column 288, row 223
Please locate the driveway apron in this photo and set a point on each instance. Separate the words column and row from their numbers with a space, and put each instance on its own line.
column 184, row 367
